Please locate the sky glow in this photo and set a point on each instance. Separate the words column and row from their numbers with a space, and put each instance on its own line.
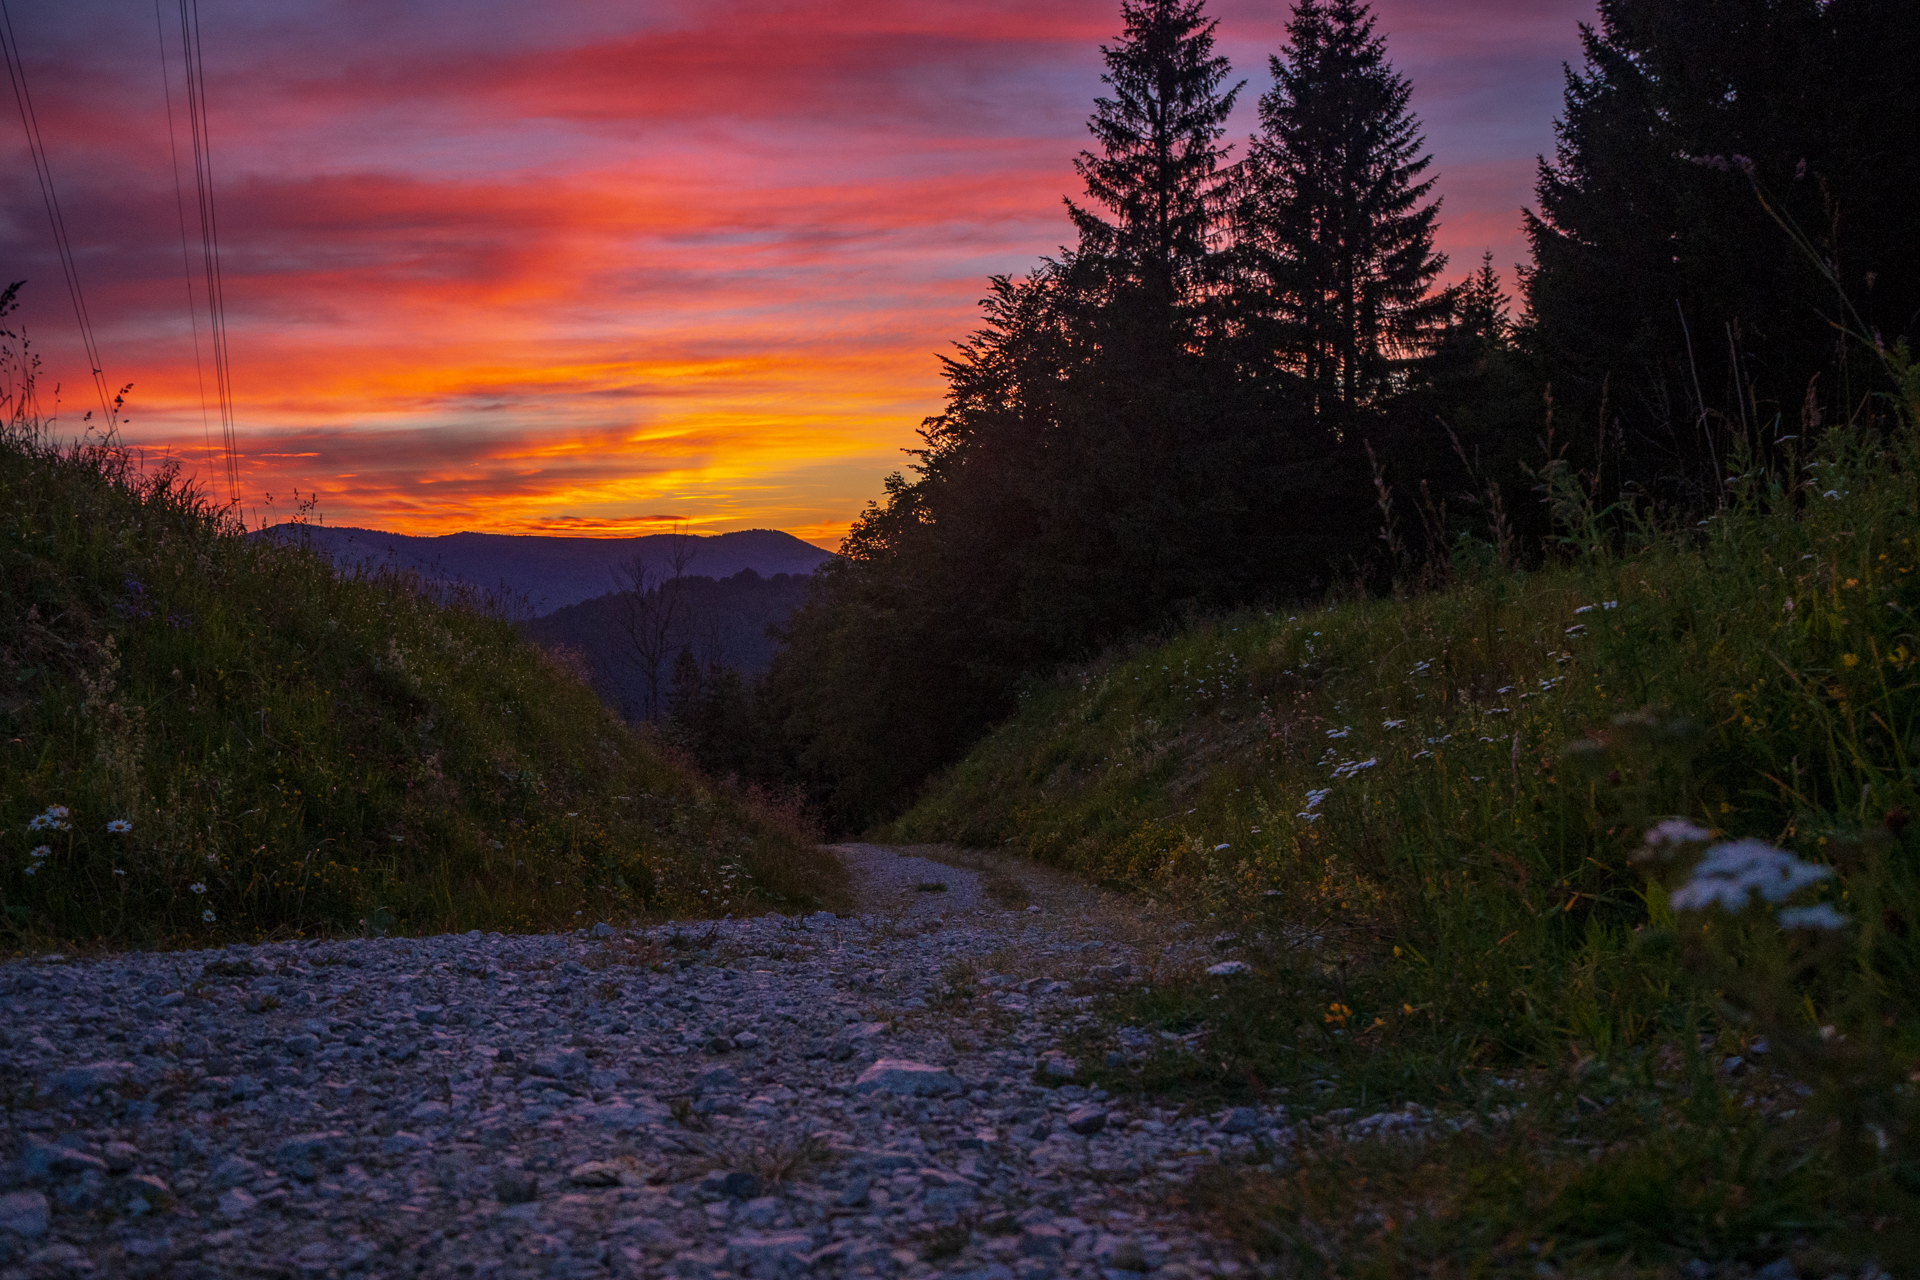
column 584, row 267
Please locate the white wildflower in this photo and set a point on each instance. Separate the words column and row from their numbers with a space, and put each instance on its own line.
column 1308, row 817
column 41, row 851
column 197, row 888
column 1821, row 915
column 1391, row 724
column 1341, row 732
column 207, row 916
column 1314, row 798
column 119, row 826
column 1730, row 872
column 54, row 819
column 1670, row 833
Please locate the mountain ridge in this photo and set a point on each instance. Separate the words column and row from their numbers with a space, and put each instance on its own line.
column 554, row 571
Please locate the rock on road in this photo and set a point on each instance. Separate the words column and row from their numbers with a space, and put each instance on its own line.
column 884, row 1095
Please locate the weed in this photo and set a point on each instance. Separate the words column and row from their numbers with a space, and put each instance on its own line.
column 959, row 983
column 230, row 969
column 1003, row 889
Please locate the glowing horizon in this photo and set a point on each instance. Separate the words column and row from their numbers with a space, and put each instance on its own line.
column 501, row 271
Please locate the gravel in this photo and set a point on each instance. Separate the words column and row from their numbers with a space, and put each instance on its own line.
column 886, row 1095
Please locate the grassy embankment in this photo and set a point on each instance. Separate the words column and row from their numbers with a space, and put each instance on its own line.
column 207, row 737
column 1420, row 817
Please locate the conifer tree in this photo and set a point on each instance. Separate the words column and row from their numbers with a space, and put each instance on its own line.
column 1158, row 168
column 1662, row 290
column 1335, row 223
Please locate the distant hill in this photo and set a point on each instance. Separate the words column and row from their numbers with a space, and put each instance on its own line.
column 552, row 573
column 723, row 621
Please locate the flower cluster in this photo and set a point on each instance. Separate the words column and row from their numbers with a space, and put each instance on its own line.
column 1730, row 875
column 54, row 819
column 39, row 856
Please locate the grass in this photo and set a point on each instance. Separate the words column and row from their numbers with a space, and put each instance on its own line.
column 1420, row 820
column 206, row 736
column 1643, row 1187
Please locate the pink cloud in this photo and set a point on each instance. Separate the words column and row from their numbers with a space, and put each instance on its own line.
column 599, row 258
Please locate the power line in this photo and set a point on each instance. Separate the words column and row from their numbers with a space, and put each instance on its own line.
column 36, row 144
column 209, row 234
column 180, row 209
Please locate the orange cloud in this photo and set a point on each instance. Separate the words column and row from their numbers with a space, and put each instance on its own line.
column 506, row 267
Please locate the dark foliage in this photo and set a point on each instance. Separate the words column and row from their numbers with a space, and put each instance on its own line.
column 1662, row 289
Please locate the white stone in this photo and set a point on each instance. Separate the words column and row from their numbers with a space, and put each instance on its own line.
column 906, row 1077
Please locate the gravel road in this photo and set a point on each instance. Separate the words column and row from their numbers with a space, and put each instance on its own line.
column 878, row 1096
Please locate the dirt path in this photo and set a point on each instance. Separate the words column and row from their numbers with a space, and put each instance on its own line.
column 891, row 1094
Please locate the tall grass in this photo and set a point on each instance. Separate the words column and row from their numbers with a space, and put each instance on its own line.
column 208, row 736
column 1378, row 801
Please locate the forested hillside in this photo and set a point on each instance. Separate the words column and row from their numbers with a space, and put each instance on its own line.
column 724, row 623
column 1246, row 383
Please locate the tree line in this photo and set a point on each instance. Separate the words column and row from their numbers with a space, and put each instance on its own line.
column 1245, row 383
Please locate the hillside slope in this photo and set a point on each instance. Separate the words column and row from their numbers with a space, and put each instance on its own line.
column 1608, row 824
column 210, row 735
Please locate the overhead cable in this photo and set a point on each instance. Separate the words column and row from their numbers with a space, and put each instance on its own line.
column 180, row 210
column 36, row 144
column 209, row 236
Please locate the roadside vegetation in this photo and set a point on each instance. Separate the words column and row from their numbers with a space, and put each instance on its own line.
column 1440, row 829
column 208, row 737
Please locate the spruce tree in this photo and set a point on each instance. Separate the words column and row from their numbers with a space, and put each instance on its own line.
column 1335, row 222
column 1158, row 168
column 1662, row 289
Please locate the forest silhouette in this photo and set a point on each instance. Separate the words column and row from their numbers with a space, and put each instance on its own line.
column 1244, row 383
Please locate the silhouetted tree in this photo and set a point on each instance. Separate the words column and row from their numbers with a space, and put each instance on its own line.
column 649, row 610
column 1337, row 226
column 1661, row 288
column 1157, row 171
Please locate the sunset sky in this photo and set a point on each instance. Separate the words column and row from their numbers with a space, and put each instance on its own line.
column 582, row 266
